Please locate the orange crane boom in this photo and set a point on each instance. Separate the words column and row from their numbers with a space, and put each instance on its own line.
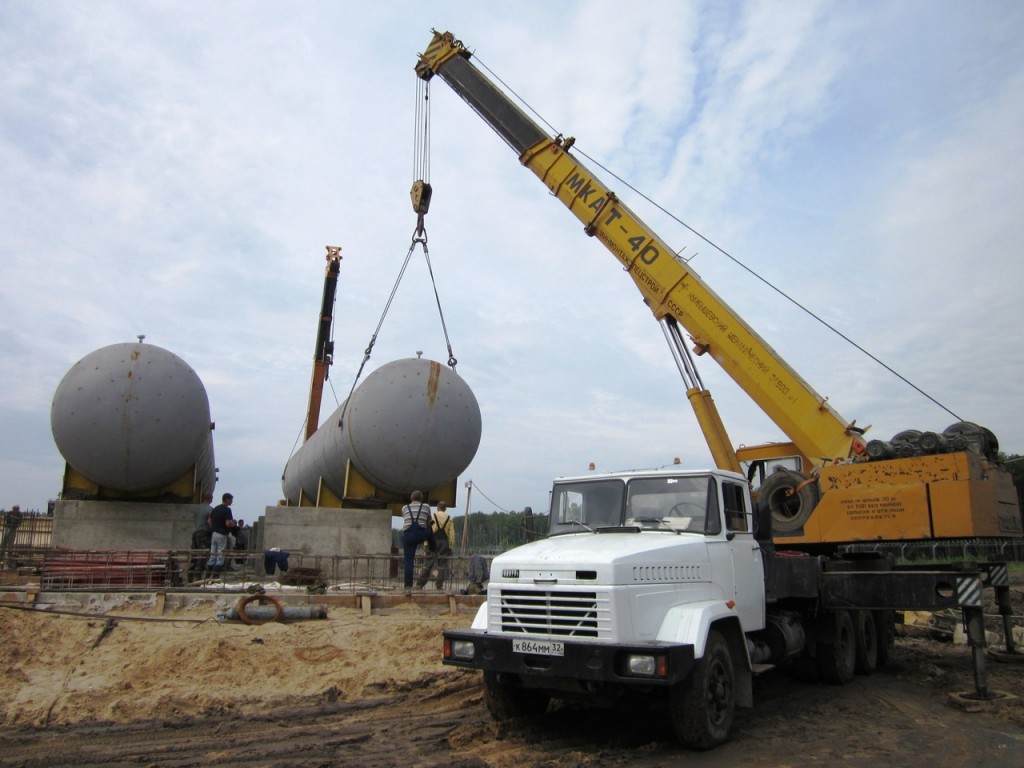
column 322, row 355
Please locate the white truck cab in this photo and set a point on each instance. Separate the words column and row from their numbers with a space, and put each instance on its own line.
column 647, row 581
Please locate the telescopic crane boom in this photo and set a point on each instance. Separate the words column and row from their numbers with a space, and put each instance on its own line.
column 671, row 288
column 323, row 354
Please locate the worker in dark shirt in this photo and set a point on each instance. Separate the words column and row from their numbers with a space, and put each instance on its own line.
column 221, row 524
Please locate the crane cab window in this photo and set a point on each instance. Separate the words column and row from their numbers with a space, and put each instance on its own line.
column 734, row 498
column 757, row 471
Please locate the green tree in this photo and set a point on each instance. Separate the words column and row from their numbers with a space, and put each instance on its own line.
column 494, row 532
column 1014, row 464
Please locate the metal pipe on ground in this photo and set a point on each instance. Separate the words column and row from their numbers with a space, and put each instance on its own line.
column 262, row 614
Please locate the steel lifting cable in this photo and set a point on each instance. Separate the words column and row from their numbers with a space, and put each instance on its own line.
column 421, row 237
column 421, row 132
column 420, row 194
column 373, row 338
column 725, row 253
column 806, row 310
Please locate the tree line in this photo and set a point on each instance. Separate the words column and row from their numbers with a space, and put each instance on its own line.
column 489, row 533
column 1014, row 464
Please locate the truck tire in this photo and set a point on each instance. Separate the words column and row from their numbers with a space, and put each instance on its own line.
column 506, row 701
column 703, row 705
column 790, row 508
column 885, row 623
column 837, row 658
column 866, row 635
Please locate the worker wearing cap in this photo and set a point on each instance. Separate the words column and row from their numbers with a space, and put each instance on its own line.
column 439, row 555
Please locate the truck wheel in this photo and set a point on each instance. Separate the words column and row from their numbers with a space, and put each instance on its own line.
column 866, row 634
column 838, row 659
column 702, row 706
column 506, row 701
column 885, row 624
column 789, row 508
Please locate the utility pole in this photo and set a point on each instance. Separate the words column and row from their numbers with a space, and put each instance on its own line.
column 465, row 519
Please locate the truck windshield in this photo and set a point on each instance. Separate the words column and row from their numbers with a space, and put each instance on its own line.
column 663, row 503
column 588, row 505
column 673, row 503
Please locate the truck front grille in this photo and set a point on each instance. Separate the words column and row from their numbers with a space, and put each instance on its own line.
column 554, row 613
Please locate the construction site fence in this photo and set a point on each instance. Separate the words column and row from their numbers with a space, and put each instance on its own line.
column 60, row 569
column 32, row 529
column 55, row 568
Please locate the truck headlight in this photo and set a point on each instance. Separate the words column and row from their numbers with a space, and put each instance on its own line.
column 459, row 649
column 647, row 665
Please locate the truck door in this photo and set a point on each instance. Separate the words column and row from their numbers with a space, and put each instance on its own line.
column 744, row 554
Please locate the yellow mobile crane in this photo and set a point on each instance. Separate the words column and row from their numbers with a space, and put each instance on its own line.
column 920, row 486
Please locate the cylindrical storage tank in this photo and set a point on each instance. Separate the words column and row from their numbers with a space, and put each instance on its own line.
column 134, row 418
column 412, row 424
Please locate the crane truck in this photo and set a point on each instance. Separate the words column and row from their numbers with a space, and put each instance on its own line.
column 678, row 586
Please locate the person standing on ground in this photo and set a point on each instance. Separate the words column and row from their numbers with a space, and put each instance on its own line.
column 239, row 542
column 221, row 524
column 440, row 553
column 11, row 522
column 201, row 532
column 415, row 531
column 201, row 524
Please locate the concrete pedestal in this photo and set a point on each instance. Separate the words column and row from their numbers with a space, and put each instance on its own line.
column 111, row 525
column 327, row 531
column 306, row 531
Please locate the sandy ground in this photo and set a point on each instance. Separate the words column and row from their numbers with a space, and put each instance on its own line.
column 136, row 686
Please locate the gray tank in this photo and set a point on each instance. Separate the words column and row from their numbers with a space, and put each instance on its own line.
column 412, row 424
column 133, row 418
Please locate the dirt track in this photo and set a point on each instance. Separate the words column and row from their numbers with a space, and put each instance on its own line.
column 370, row 691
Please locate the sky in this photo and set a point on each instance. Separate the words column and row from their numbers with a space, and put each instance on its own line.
column 176, row 170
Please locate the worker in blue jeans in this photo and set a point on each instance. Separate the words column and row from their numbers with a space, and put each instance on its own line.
column 415, row 531
column 222, row 524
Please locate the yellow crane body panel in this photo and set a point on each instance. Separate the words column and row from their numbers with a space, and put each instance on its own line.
column 943, row 496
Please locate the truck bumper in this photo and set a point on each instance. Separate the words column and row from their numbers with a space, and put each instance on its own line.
column 580, row 661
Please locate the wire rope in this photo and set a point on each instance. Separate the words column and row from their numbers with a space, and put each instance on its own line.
column 496, row 505
column 421, row 173
column 725, row 253
column 768, row 283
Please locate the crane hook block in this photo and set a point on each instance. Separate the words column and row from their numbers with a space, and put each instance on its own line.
column 420, row 194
